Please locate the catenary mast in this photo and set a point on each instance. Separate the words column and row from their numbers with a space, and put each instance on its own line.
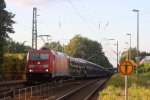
column 34, row 29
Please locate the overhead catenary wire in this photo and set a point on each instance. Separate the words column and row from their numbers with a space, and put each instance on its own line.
column 65, row 10
column 106, row 25
column 86, row 10
column 83, row 19
column 108, row 47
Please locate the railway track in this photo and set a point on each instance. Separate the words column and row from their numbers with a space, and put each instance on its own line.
column 10, row 85
column 32, row 92
column 84, row 92
column 55, row 90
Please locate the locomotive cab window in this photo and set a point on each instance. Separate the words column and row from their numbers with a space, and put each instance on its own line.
column 39, row 56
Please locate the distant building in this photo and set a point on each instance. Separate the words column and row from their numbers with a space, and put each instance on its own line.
column 145, row 60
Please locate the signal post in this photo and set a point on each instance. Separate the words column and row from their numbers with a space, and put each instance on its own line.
column 126, row 68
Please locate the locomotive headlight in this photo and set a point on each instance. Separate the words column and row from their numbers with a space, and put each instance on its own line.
column 46, row 70
column 30, row 70
column 45, row 66
column 31, row 66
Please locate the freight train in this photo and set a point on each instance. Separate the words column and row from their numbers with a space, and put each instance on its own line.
column 45, row 65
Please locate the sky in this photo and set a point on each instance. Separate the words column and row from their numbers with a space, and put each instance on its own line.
column 98, row 20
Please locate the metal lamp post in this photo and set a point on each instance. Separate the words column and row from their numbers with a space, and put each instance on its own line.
column 137, row 11
column 117, row 53
column 127, row 58
column 130, row 47
column 126, row 77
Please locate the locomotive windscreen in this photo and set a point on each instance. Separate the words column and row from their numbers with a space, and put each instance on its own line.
column 39, row 56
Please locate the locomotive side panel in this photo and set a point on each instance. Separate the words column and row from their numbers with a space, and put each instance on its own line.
column 61, row 65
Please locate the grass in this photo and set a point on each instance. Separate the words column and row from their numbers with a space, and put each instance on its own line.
column 137, row 90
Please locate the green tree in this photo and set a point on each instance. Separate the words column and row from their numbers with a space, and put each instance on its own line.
column 82, row 47
column 54, row 46
column 5, row 26
column 15, row 47
column 13, row 65
column 144, row 54
column 125, row 55
column 76, row 47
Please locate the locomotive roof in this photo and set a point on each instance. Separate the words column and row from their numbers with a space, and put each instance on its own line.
column 39, row 50
column 59, row 53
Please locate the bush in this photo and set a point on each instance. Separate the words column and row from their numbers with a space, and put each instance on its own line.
column 13, row 66
column 144, row 67
column 137, row 90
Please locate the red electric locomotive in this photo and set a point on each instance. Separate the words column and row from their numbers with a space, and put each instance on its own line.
column 46, row 65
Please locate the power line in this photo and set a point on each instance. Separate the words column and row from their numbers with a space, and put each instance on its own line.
column 65, row 10
column 88, row 14
column 80, row 15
